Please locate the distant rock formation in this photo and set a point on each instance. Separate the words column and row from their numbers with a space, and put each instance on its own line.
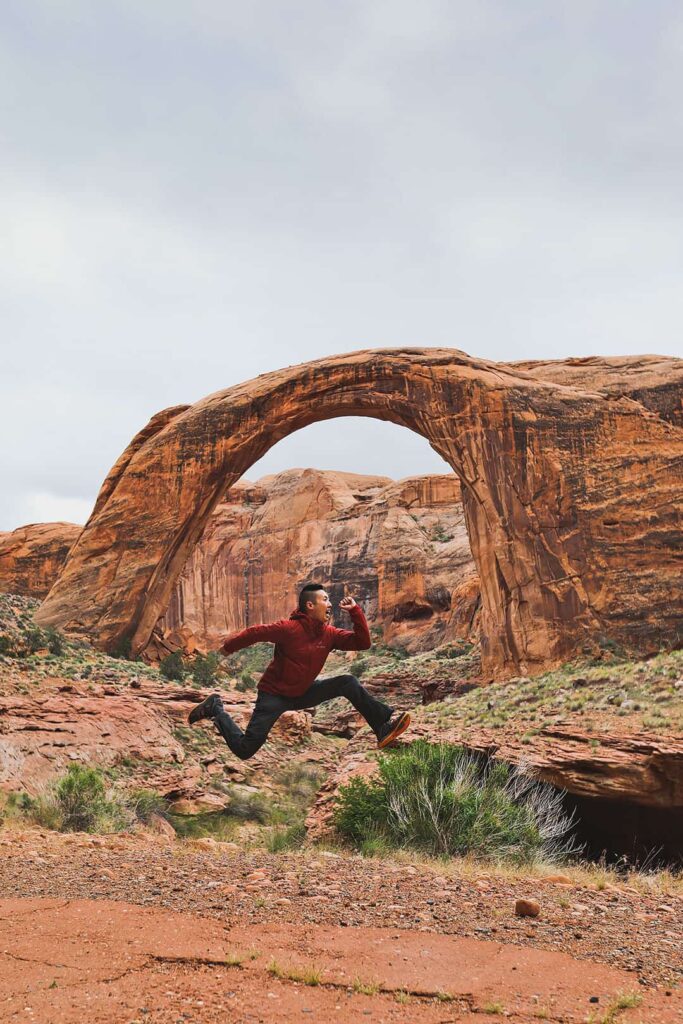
column 400, row 548
column 31, row 557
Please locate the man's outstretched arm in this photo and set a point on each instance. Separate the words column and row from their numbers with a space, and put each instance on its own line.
column 270, row 633
column 357, row 639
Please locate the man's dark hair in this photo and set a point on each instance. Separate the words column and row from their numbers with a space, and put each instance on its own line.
column 304, row 594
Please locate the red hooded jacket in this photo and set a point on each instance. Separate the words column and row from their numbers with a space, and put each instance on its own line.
column 301, row 648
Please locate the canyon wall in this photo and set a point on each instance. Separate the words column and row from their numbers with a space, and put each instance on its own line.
column 399, row 547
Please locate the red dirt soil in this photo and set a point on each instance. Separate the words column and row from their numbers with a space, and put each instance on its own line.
column 104, row 961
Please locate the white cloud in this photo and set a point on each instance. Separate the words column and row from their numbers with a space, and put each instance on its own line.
column 42, row 507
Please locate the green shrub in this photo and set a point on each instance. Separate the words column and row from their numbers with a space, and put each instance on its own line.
column 455, row 650
column 250, row 659
column 301, row 782
column 35, row 639
column 249, row 806
column 290, row 838
column 123, row 649
column 358, row 666
column 146, row 803
column 439, row 534
column 442, row 800
column 173, row 667
column 245, row 682
column 79, row 802
column 84, row 803
column 204, row 668
column 55, row 641
column 6, row 645
column 360, row 807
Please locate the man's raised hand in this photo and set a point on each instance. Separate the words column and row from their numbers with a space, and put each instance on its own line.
column 347, row 603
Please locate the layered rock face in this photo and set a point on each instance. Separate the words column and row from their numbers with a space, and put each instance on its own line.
column 572, row 493
column 40, row 734
column 32, row 557
column 400, row 548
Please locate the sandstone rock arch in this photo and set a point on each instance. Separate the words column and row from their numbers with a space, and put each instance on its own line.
column 570, row 497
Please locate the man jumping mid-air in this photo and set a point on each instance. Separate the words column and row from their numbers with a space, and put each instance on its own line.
column 302, row 643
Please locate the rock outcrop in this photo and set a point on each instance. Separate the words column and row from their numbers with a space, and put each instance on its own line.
column 572, row 494
column 41, row 734
column 32, row 557
column 400, row 548
column 653, row 381
column 622, row 771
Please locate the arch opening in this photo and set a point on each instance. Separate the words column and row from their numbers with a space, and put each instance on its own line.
column 400, row 546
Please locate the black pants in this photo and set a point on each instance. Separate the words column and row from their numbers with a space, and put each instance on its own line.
column 270, row 706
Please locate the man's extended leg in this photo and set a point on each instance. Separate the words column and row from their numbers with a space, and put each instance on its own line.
column 267, row 710
column 375, row 713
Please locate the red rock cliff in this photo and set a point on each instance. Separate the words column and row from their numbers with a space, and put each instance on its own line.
column 400, row 548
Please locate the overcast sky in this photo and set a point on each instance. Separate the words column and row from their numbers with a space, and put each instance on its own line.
column 195, row 193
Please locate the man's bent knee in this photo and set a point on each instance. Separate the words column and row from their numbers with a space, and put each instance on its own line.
column 348, row 683
column 246, row 750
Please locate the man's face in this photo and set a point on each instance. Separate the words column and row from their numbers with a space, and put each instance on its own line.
column 319, row 606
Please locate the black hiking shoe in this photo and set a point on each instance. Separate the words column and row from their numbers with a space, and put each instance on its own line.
column 208, row 708
column 392, row 729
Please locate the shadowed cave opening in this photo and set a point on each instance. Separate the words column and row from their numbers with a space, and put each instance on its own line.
column 627, row 834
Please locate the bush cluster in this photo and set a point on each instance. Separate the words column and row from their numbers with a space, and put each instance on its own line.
column 251, row 660
column 173, row 667
column 81, row 801
column 245, row 682
column 442, row 800
column 204, row 668
column 28, row 640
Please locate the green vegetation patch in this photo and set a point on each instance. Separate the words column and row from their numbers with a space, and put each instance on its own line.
column 251, row 660
column 81, row 800
column 648, row 693
column 442, row 800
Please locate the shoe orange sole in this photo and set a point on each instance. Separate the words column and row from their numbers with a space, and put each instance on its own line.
column 401, row 726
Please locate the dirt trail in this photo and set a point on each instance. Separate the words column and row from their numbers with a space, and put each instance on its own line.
column 75, row 960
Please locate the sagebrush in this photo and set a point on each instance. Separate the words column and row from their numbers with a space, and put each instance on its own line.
column 81, row 800
column 443, row 800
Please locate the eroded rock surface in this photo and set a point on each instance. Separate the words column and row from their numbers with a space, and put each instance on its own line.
column 41, row 734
